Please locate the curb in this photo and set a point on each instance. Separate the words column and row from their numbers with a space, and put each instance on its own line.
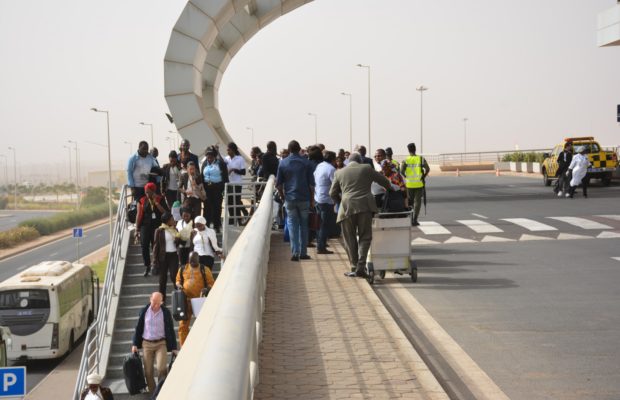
column 47, row 239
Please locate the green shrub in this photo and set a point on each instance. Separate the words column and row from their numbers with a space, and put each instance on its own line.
column 519, row 156
column 100, row 268
column 65, row 220
column 4, row 201
column 94, row 196
column 17, row 235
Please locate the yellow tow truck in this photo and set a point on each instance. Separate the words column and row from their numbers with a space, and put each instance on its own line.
column 604, row 163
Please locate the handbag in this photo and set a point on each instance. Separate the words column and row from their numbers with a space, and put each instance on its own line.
column 314, row 219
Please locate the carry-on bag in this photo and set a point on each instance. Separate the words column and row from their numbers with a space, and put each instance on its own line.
column 134, row 373
column 179, row 306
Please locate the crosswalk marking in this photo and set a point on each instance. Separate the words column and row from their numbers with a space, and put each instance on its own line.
column 479, row 216
column 456, row 239
column 489, row 238
column 530, row 224
column 433, row 228
column 479, row 226
column 582, row 222
column 570, row 236
column 608, row 235
column 614, row 217
column 525, row 238
column 417, row 241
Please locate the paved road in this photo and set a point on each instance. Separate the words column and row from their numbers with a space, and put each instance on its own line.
column 64, row 249
column 539, row 311
column 11, row 218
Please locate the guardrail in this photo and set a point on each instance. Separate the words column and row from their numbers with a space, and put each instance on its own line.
column 100, row 330
column 219, row 359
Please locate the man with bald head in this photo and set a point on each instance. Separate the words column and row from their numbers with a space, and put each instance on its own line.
column 155, row 336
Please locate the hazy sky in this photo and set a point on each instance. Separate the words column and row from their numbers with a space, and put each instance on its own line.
column 524, row 73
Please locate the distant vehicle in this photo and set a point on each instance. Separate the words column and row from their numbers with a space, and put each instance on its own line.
column 604, row 163
column 47, row 308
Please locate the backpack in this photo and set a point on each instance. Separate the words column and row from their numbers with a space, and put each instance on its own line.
column 132, row 211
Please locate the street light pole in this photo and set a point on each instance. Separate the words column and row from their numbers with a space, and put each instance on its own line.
column 421, row 89
column 350, row 119
column 151, row 125
column 316, row 132
column 70, row 169
column 368, row 67
column 249, row 128
column 77, row 172
column 107, row 116
column 14, row 173
column 6, row 170
column 465, row 134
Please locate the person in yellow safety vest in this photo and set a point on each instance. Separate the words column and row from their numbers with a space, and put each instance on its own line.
column 415, row 169
column 192, row 278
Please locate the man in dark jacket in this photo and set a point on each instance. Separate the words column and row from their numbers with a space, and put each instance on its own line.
column 155, row 336
column 564, row 159
column 365, row 160
column 270, row 162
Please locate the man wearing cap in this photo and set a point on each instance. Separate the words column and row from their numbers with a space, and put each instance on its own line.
column 154, row 334
column 139, row 168
column 95, row 391
column 150, row 209
column 415, row 168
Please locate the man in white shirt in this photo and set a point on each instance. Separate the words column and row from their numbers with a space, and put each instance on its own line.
column 323, row 178
column 236, row 169
column 95, row 391
column 377, row 190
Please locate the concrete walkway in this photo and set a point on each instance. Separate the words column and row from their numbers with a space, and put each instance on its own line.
column 326, row 336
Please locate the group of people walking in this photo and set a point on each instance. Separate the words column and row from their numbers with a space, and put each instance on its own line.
column 572, row 171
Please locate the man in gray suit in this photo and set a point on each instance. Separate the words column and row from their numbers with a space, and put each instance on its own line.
column 351, row 188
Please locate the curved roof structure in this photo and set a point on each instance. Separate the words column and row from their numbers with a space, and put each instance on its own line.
column 204, row 40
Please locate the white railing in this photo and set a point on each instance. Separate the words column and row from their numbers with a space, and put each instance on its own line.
column 219, row 359
column 93, row 358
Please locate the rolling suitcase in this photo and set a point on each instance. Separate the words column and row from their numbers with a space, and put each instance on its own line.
column 179, row 306
column 134, row 374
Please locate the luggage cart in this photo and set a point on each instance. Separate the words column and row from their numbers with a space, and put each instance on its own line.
column 390, row 249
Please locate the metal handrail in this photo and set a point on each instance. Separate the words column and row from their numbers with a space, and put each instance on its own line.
column 99, row 329
column 219, row 359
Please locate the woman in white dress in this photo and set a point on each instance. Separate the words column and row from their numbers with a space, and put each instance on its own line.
column 578, row 167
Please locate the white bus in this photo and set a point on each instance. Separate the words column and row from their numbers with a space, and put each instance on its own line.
column 47, row 307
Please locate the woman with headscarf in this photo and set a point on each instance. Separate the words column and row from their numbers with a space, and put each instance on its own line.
column 579, row 168
column 193, row 189
column 204, row 243
column 398, row 191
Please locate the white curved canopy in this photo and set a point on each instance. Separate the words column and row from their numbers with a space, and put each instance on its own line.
column 204, row 40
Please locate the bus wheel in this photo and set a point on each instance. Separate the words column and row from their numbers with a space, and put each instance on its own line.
column 546, row 179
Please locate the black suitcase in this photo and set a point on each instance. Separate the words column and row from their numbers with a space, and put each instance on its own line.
column 179, row 306
column 134, row 373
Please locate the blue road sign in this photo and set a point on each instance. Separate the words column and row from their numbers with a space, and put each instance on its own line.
column 12, row 382
column 78, row 232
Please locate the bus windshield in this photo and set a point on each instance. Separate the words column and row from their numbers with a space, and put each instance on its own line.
column 24, row 299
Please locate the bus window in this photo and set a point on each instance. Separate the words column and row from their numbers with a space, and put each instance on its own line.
column 24, row 312
column 24, row 299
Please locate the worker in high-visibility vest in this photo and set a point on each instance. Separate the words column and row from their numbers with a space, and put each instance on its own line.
column 415, row 169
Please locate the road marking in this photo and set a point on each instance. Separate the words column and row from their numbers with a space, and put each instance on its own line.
column 422, row 241
column 479, row 216
column 456, row 239
column 23, row 267
column 570, row 236
column 530, row 224
column 582, row 222
column 479, row 226
column 53, row 254
column 489, row 238
column 433, row 228
column 608, row 235
column 525, row 238
column 614, row 217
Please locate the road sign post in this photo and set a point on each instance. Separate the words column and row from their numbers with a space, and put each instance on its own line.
column 78, row 233
column 12, row 382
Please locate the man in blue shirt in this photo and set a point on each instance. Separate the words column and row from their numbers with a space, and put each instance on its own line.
column 139, row 169
column 295, row 184
column 323, row 177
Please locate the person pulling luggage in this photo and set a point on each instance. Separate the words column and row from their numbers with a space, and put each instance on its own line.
column 154, row 334
column 192, row 278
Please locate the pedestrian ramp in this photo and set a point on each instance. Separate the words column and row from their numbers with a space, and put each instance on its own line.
column 516, row 229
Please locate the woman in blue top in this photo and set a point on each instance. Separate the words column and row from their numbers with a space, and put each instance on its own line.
column 215, row 175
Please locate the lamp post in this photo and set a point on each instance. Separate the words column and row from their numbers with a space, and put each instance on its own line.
column 77, row 172
column 350, row 119
column 14, row 174
column 151, row 125
column 465, row 134
column 421, row 89
column 368, row 68
column 249, row 128
column 6, row 170
column 107, row 116
column 70, row 169
column 316, row 132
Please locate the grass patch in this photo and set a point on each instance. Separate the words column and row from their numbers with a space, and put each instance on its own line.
column 17, row 235
column 100, row 268
column 65, row 220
